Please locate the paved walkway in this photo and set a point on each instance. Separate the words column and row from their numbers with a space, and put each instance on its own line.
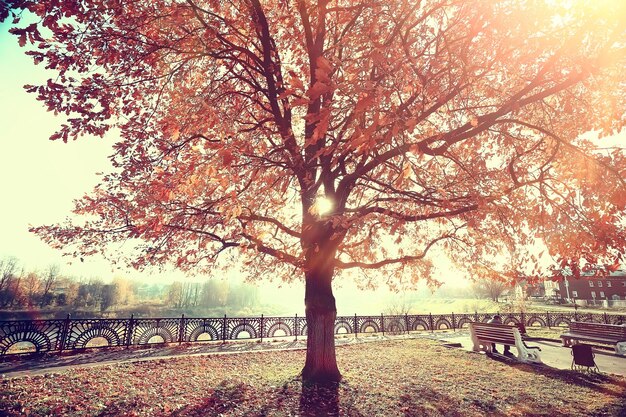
column 18, row 366
column 552, row 353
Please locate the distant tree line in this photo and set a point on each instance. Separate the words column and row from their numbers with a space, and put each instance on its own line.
column 491, row 289
column 20, row 289
column 211, row 294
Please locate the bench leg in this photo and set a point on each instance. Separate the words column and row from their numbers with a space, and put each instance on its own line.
column 528, row 355
column 477, row 343
column 533, row 357
column 482, row 347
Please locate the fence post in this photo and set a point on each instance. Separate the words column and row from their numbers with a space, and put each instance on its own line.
column 523, row 320
column 224, row 329
column 181, row 329
column 356, row 331
column 548, row 316
column 295, row 326
column 129, row 330
column 382, row 323
column 64, row 332
column 476, row 316
column 606, row 318
column 430, row 322
column 261, row 327
column 453, row 323
column 406, row 322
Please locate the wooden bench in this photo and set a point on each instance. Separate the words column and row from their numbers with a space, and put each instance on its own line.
column 484, row 334
column 608, row 334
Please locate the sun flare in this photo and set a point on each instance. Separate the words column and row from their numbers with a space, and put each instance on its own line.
column 323, row 206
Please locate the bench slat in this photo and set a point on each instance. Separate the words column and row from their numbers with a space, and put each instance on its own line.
column 589, row 338
column 603, row 333
column 581, row 325
column 597, row 330
column 598, row 335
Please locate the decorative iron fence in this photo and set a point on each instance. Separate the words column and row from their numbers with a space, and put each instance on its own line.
column 28, row 336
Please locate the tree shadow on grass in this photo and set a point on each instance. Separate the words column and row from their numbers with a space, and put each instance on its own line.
column 319, row 400
column 291, row 398
column 599, row 382
column 224, row 398
column 617, row 408
column 123, row 408
column 419, row 400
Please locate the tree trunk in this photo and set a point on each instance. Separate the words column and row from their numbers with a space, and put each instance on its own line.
column 321, row 362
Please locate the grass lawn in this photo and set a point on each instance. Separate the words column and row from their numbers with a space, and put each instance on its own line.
column 390, row 378
column 546, row 333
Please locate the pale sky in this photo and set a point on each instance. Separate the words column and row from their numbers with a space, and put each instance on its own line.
column 38, row 178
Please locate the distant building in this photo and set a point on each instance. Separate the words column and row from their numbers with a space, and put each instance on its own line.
column 551, row 289
column 525, row 289
column 593, row 288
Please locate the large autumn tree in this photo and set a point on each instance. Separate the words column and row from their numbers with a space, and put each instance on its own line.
column 314, row 137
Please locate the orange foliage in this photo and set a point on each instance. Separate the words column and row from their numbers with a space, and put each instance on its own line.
column 428, row 124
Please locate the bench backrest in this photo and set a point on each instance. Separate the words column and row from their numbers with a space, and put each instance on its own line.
column 609, row 331
column 495, row 333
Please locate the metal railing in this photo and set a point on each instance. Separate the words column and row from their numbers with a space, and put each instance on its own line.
column 69, row 334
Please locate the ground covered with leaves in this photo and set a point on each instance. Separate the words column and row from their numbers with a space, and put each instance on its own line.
column 390, row 378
